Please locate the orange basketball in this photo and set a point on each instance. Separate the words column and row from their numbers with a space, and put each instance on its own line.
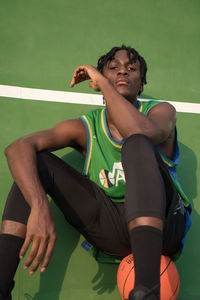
column 169, row 278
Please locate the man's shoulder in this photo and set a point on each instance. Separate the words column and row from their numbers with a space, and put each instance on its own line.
column 93, row 114
column 144, row 105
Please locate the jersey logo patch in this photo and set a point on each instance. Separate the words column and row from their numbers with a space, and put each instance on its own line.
column 109, row 179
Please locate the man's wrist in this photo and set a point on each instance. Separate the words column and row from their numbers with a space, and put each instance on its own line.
column 39, row 202
column 103, row 83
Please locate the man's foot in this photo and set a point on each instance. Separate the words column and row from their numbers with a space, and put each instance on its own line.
column 143, row 293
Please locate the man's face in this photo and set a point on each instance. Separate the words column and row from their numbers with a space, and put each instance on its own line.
column 124, row 75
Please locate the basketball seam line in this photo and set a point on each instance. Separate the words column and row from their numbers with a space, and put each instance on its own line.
column 126, row 279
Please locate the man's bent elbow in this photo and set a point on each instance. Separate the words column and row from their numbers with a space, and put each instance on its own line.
column 155, row 136
column 15, row 147
column 8, row 150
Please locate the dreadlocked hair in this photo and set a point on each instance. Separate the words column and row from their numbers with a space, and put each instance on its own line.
column 133, row 56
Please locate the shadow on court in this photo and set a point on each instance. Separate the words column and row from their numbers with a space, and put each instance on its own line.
column 52, row 280
column 188, row 264
column 105, row 278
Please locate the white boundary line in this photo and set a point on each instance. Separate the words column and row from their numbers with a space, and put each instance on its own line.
column 78, row 98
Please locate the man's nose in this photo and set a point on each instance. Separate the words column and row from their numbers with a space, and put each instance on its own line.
column 123, row 71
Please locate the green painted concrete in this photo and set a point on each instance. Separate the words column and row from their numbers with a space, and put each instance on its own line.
column 72, row 272
column 41, row 44
column 43, row 41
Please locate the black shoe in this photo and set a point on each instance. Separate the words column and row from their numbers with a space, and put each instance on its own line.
column 143, row 293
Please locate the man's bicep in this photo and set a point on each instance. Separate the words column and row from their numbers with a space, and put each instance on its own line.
column 163, row 116
column 66, row 133
column 70, row 133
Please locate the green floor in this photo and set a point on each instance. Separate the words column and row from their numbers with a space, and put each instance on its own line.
column 72, row 271
column 41, row 44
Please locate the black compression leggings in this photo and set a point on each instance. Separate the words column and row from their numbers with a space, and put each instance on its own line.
column 149, row 192
column 144, row 181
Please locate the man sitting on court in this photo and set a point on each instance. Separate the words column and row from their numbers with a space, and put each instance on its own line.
column 126, row 200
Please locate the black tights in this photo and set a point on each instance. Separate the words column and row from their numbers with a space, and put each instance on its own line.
column 149, row 192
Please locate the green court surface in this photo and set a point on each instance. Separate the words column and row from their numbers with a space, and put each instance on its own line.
column 41, row 44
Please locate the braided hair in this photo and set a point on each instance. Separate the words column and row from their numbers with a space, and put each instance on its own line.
column 133, row 56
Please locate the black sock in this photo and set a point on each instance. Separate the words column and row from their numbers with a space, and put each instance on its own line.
column 146, row 243
column 10, row 246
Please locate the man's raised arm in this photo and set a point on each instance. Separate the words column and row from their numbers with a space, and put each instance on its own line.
column 159, row 124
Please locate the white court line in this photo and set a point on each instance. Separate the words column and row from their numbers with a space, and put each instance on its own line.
column 78, row 98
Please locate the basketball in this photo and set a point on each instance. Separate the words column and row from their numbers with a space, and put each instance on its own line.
column 169, row 278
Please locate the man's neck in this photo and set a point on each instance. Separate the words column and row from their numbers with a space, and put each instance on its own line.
column 132, row 100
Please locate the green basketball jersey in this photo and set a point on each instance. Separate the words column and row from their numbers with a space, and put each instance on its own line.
column 103, row 159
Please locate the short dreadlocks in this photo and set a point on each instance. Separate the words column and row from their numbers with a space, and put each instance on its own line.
column 133, row 56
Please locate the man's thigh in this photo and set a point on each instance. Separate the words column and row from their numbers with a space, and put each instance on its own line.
column 86, row 206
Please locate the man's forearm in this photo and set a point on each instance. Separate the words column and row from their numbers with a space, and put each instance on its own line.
column 124, row 114
column 21, row 157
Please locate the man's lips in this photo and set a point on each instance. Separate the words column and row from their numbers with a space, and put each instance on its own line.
column 122, row 81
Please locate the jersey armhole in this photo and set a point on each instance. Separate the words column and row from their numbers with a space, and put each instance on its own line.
column 155, row 104
column 89, row 145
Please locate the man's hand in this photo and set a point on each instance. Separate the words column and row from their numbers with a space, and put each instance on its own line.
column 41, row 233
column 86, row 72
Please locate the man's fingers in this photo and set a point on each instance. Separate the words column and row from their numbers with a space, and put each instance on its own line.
column 48, row 254
column 80, row 74
column 32, row 254
column 25, row 247
column 93, row 86
column 38, row 257
column 72, row 82
column 40, row 248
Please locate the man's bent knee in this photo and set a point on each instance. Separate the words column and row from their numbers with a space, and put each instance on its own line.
column 146, row 221
column 13, row 228
column 137, row 138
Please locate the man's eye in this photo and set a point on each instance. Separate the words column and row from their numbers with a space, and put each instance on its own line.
column 113, row 67
column 131, row 68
